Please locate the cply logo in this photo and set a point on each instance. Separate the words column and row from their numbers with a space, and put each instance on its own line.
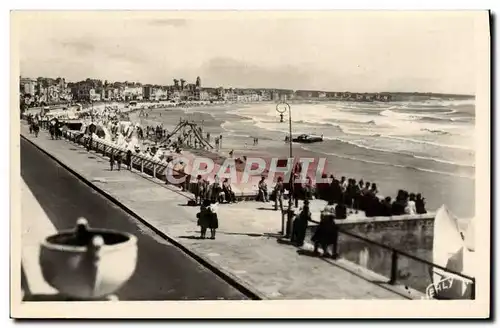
column 438, row 287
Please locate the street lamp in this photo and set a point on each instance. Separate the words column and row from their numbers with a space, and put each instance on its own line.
column 282, row 107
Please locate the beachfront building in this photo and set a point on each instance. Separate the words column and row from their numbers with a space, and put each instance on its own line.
column 111, row 93
column 149, row 92
column 27, row 86
column 230, row 95
column 94, row 95
column 204, row 95
column 174, row 95
column 383, row 97
column 161, row 93
column 221, row 93
column 154, row 93
column 133, row 92
column 264, row 95
column 81, row 91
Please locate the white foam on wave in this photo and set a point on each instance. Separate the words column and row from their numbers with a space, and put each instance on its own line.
column 381, row 120
column 395, row 165
column 385, row 150
column 437, row 144
column 357, row 144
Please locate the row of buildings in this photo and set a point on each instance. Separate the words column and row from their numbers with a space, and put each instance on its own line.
column 50, row 91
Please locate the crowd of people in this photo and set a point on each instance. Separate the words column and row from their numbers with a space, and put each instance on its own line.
column 356, row 195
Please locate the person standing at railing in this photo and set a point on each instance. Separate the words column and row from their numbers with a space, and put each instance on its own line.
column 118, row 160
column 300, row 225
column 128, row 159
column 111, row 161
column 278, row 194
column 326, row 233
column 199, row 190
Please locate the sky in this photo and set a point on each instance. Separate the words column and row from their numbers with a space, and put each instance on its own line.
column 330, row 51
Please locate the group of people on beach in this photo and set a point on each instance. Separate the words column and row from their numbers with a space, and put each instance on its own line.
column 155, row 132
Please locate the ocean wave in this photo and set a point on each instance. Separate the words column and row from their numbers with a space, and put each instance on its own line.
column 394, row 165
column 461, row 119
column 432, row 143
column 439, row 132
column 438, row 160
column 430, row 117
column 359, row 145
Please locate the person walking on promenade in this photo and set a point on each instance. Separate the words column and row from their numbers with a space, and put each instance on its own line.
column 326, row 232
column 278, row 194
column 300, row 225
column 128, row 159
column 118, row 160
column 198, row 188
column 203, row 218
column 111, row 161
column 214, row 220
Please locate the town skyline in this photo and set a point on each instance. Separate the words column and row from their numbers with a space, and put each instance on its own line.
column 190, row 81
column 406, row 53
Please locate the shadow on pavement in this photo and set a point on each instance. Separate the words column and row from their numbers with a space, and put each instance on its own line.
column 266, row 208
column 285, row 242
column 190, row 237
column 241, row 234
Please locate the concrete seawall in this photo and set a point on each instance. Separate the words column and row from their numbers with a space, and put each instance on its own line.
column 412, row 234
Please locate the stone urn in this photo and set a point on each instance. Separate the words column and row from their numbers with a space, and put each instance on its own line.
column 87, row 263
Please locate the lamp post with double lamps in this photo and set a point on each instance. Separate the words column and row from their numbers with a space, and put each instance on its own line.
column 282, row 107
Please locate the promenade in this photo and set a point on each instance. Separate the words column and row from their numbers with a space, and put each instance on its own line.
column 246, row 248
column 53, row 199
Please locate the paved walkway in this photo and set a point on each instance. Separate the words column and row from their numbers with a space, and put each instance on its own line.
column 246, row 247
column 36, row 226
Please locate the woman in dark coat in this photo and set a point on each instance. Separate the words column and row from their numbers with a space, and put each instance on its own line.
column 203, row 217
column 300, row 225
column 420, row 204
column 326, row 232
column 128, row 159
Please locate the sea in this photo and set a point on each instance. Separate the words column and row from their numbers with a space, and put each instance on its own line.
column 424, row 145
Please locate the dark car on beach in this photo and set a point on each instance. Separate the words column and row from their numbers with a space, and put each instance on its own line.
column 306, row 138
